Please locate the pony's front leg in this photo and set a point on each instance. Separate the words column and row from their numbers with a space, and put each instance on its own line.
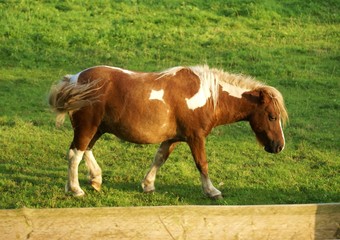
column 74, row 157
column 209, row 189
column 95, row 172
column 197, row 146
column 161, row 156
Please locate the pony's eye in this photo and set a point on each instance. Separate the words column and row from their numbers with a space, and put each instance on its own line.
column 272, row 118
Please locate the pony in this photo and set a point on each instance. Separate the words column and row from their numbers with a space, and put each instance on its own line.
column 180, row 104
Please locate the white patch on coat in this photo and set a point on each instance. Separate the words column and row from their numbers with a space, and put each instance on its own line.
column 234, row 91
column 74, row 78
column 157, row 95
column 199, row 99
column 120, row 69
column 208, row 88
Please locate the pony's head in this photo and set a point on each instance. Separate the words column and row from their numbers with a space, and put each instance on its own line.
column 267, row 119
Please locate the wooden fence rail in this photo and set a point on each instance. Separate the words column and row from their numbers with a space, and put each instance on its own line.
column 310, row 221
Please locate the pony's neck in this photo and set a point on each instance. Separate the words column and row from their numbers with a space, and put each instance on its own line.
column 232, row 109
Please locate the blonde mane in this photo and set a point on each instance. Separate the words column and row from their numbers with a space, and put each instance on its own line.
column 212, row 77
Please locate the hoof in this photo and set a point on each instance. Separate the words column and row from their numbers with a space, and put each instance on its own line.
column 78, row 194
column 149, row 191
column 96, row 186
column 216, row 197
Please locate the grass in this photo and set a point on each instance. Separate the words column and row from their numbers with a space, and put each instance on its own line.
column 292, row 46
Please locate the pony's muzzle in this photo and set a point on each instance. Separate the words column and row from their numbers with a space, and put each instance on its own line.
column 274, row 147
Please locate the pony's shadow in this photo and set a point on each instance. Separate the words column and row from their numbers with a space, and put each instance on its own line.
column 192, row 194
column 187, row 193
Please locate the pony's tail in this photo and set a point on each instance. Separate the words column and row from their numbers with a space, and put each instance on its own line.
column 67, row 97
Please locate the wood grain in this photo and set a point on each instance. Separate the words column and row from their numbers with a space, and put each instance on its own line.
column 311, row 221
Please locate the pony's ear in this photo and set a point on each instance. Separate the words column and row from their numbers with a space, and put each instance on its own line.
column 264, row 97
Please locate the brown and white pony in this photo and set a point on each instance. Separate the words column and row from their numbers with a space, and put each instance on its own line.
column 181, row 104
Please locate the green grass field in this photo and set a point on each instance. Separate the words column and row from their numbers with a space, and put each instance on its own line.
column 292, row 45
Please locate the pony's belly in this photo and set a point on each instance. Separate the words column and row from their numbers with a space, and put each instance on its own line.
column 143, row 135
column 142, row 130
column 147, row 123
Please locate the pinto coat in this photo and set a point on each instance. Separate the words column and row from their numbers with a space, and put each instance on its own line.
column 181, row 104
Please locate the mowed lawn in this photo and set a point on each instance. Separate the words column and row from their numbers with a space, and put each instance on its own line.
column 291, row 45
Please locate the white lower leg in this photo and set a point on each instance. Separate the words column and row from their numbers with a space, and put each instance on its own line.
column 75, row 156
column 95, row 172
column 148, row 183
column 208, row 188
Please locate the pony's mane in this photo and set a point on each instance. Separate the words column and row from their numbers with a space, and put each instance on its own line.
column 212, row 77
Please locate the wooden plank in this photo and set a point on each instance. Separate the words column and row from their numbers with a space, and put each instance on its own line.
column 312, row 221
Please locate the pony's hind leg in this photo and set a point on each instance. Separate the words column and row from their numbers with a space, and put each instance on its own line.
column 85, row 130
column 161, row 156
column 95, row 172
column 74, row 156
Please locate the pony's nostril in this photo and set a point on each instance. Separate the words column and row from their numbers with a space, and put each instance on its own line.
column 279, row 148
